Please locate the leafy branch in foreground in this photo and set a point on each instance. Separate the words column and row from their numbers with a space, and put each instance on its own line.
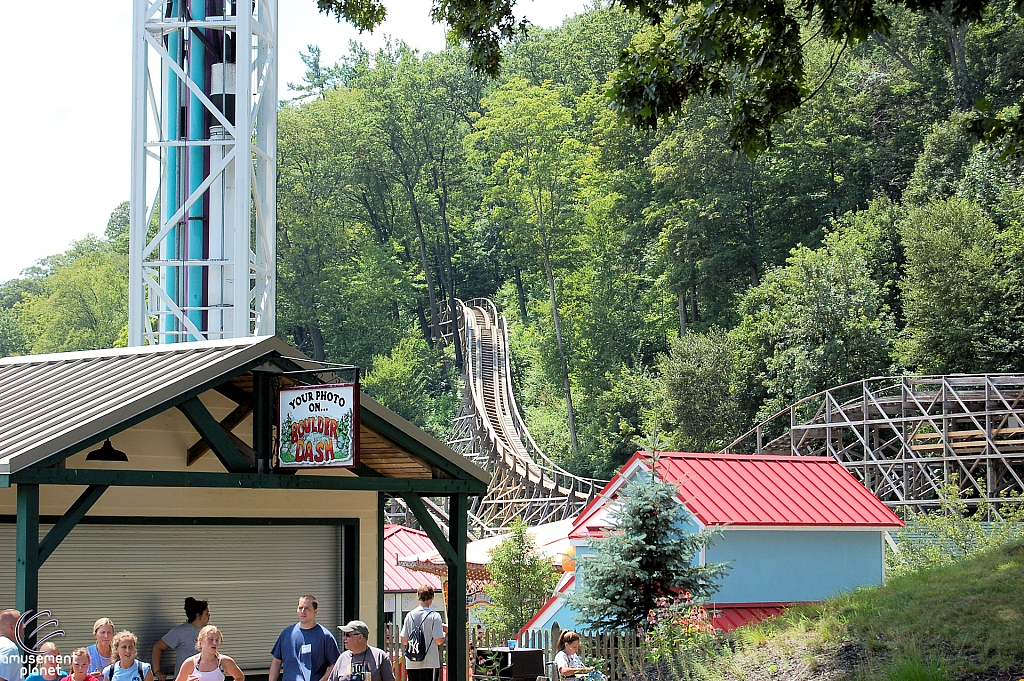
column 752, row 53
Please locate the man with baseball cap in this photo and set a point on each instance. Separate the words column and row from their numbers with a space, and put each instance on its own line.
column 361, row 661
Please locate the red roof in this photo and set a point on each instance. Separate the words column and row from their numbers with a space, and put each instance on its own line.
column 731, row 617
column 741, row 489
column 403, row 541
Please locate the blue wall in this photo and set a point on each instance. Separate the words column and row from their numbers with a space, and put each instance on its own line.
column 781, row 566
column 565, row 618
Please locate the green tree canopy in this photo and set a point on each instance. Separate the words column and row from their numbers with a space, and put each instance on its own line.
column 520, row 581
column 951, row 286
column 698, row 382
column 754, row 53
column 816, row 323
column 83, row 305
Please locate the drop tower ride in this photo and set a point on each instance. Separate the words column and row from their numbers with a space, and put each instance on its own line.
column 204, row 156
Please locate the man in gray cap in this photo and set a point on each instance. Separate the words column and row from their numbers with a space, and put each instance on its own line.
column 361, row 661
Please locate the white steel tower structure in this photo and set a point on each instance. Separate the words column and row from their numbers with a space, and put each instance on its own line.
column 204, row 152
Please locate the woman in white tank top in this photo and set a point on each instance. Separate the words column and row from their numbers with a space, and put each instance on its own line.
column 209, row 664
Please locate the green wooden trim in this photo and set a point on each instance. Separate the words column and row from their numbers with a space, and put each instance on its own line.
column 411, row 444
column 426, row 521
column 350, row 571
column 263, row 408
column 74, row 515
column 210, row 430
column 26, row 572
column 364, row 471
column 186, row 520
column 122, row 478
column 381, row 520
column 458, row 651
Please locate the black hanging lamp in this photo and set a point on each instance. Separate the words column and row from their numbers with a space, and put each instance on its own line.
column 106, row 453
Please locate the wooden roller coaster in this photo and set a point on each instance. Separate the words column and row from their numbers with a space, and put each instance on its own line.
column 906, row 437
column 903, row 437
column 489, row 429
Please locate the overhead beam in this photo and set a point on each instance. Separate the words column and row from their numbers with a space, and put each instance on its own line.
column 416, row 505
column 123, row 478
column 218, row 439
column 72, row 517
column 234, row 393
column 228, row 423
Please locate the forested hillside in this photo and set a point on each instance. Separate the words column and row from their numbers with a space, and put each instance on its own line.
column 656, row 275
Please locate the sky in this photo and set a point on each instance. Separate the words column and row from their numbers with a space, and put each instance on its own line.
column 66, row 117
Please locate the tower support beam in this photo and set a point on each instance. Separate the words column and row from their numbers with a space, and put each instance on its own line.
column 204, row 152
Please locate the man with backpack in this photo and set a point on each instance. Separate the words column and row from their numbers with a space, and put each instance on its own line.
column 422, row 633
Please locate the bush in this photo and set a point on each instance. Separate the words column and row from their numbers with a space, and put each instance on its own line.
column 674, row 625
column 955, row 532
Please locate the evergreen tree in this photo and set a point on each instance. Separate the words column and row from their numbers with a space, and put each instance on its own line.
column 521, row 581
column 649, row 553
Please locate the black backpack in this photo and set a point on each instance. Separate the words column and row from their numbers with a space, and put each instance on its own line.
column 416, row 648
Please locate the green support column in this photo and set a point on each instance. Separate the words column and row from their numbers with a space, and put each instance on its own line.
column 458, row 652
column 263, row 408
column 26, row 574
column 381, row 518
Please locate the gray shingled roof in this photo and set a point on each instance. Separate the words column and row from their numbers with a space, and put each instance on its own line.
column 49, row 403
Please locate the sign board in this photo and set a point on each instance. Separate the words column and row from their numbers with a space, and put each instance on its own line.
column 319, row 426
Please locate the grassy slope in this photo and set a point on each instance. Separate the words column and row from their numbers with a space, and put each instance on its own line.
column 969, row 615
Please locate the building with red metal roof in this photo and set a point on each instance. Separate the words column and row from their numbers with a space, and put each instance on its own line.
column 401, row 583
column 792, row 529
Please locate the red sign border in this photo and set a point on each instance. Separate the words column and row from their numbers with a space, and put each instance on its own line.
column 356, row 425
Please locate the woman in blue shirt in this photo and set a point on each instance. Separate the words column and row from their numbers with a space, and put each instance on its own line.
column 127, row 668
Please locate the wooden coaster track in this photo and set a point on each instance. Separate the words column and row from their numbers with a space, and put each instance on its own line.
column 906, row 437
column 489, row 429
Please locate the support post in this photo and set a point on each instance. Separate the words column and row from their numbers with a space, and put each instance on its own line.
column 262, row 434
column 458, row 652
column 26, row 578
column 381, row 519
column 441, row 543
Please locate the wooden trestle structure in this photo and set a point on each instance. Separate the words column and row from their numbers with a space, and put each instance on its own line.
column 906, row 437
column 490, row 431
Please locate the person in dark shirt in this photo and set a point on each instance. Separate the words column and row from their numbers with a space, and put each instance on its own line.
column 305, row 651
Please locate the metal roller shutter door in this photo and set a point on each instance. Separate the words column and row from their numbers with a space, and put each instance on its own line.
column 139, row 576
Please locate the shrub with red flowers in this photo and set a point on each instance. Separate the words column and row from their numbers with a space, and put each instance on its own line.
column 673, row 625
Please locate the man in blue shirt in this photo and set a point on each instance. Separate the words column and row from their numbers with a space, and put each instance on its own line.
column 305, row 651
